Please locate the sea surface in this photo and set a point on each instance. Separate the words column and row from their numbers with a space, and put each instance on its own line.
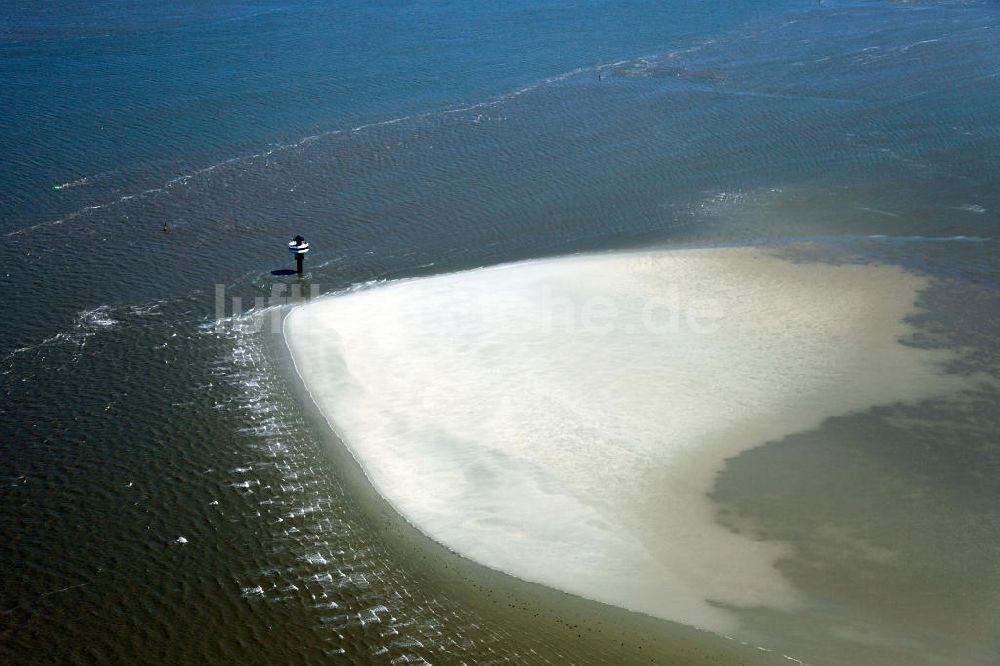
column 164, row 495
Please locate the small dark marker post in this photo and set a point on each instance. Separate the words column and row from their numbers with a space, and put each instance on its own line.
column 298, row 246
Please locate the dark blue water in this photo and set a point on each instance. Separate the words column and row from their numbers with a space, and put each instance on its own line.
column 152, row 152
column 112, row 97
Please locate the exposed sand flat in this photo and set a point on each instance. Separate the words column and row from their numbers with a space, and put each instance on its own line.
column 562, row 420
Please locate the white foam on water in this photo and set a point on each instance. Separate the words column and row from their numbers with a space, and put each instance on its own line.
column 563, row 420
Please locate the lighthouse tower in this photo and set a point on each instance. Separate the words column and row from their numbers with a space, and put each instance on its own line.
column 298, row 246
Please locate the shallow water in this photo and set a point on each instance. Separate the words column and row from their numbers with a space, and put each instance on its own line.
column 126, row 414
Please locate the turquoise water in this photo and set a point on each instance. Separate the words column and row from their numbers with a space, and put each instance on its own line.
column 152, row 153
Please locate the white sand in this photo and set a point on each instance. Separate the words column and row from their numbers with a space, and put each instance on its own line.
column 557, row 421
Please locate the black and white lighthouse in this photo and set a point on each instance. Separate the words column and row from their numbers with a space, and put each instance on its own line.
column 298, row 246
